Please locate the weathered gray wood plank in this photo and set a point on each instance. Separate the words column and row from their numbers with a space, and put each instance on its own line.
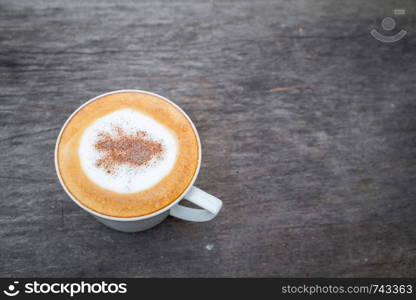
column 318, row 181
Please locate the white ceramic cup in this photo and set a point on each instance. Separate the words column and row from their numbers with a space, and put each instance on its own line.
column 210, row 205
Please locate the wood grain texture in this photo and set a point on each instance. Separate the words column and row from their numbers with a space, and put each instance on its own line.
column 317, row 180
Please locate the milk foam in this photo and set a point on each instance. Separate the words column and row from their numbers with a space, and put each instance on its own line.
column 127, row 179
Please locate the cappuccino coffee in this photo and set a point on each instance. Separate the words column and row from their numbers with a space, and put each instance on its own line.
column 127, row 154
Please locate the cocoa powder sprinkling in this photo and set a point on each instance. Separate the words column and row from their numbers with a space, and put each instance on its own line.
column 121, row 149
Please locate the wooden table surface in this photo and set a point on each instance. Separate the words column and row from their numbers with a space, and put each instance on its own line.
column 307, row 125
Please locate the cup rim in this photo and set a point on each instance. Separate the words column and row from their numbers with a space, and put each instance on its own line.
column 158, row 212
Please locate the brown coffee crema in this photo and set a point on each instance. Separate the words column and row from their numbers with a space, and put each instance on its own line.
column 134, row 150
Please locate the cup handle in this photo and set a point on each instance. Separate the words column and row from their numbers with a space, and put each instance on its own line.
column 210, row 204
